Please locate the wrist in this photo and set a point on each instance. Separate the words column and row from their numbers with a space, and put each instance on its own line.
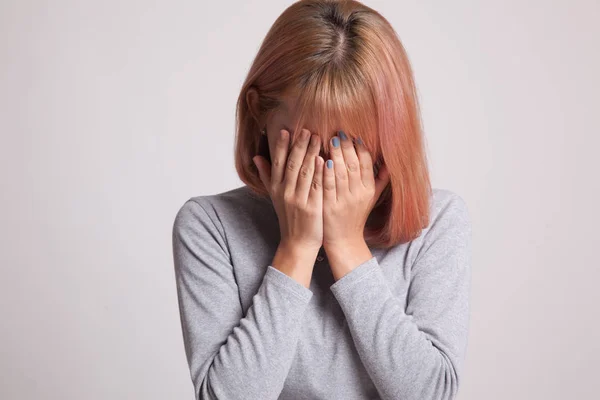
column 298, row 249
column 343, row 246
column 344, row 256
column 296, row 261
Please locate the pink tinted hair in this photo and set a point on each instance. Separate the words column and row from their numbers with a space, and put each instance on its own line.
column 346, row 69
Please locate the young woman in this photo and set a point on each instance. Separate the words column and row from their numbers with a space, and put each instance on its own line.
column 336, row 271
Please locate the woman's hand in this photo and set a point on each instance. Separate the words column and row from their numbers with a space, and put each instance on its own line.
column 350, row 190
column 295, row 187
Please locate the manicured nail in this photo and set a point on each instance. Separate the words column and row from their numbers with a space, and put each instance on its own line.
column 358, row 140
column 343, row 135
column 336, row 141
column 329, row 164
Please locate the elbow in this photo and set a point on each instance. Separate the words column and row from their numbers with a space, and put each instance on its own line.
column 204, row 392
column 439, row 379
column 446, row 379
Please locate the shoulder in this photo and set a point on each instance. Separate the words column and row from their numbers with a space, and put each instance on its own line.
column 449, row 228
column 214, row 211
column 447, row 208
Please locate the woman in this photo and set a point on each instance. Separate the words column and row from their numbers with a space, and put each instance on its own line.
column 338, row 279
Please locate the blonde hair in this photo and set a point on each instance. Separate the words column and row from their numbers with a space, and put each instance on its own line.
column 343, row 61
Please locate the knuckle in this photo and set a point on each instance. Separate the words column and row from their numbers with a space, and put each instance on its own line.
column 352, row 167
column 288, row 196
column 315, row 185
column 304, row 171
column 314, row 212
column 341, row 175
column 291, row 164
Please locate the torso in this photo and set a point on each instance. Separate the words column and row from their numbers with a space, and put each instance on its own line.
column 326, row 364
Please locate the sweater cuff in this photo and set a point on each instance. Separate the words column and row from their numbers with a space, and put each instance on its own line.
column 346, row 282
column 287, row 282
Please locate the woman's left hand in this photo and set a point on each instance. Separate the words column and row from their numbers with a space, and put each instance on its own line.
column 350, row 190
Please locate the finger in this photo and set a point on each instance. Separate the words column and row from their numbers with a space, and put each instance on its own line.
column 366, row 164
column 279, row 157
column 305, row 176
column 329, row 189
column 264, row 172
column 294, row 160
column 351, row 166
column 341, row 174
column 316, row 189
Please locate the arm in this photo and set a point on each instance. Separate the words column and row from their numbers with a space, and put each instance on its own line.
column 417, row 353
column 231, row 355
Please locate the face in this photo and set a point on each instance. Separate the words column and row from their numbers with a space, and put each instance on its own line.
column 285, row 118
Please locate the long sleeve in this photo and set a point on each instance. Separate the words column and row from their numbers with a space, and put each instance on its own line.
column 231, row 355
column 417, row 353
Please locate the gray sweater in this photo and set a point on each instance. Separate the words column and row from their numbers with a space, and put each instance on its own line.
column 395, row 327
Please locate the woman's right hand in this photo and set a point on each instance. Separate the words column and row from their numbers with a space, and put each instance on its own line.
column 295, row 187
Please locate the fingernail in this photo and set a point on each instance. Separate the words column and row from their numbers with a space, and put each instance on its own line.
column 358, row 140
column 329, row 164
column 336, row 141
column 343, row 135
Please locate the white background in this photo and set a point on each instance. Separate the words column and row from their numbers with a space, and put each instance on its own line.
column 113, row 113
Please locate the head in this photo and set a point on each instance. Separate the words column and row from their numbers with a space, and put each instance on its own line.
column 330, row 65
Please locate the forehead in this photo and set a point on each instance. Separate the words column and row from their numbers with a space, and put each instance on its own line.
column 289, row 113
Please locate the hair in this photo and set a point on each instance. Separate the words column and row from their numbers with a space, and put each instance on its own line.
column 343, row 61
